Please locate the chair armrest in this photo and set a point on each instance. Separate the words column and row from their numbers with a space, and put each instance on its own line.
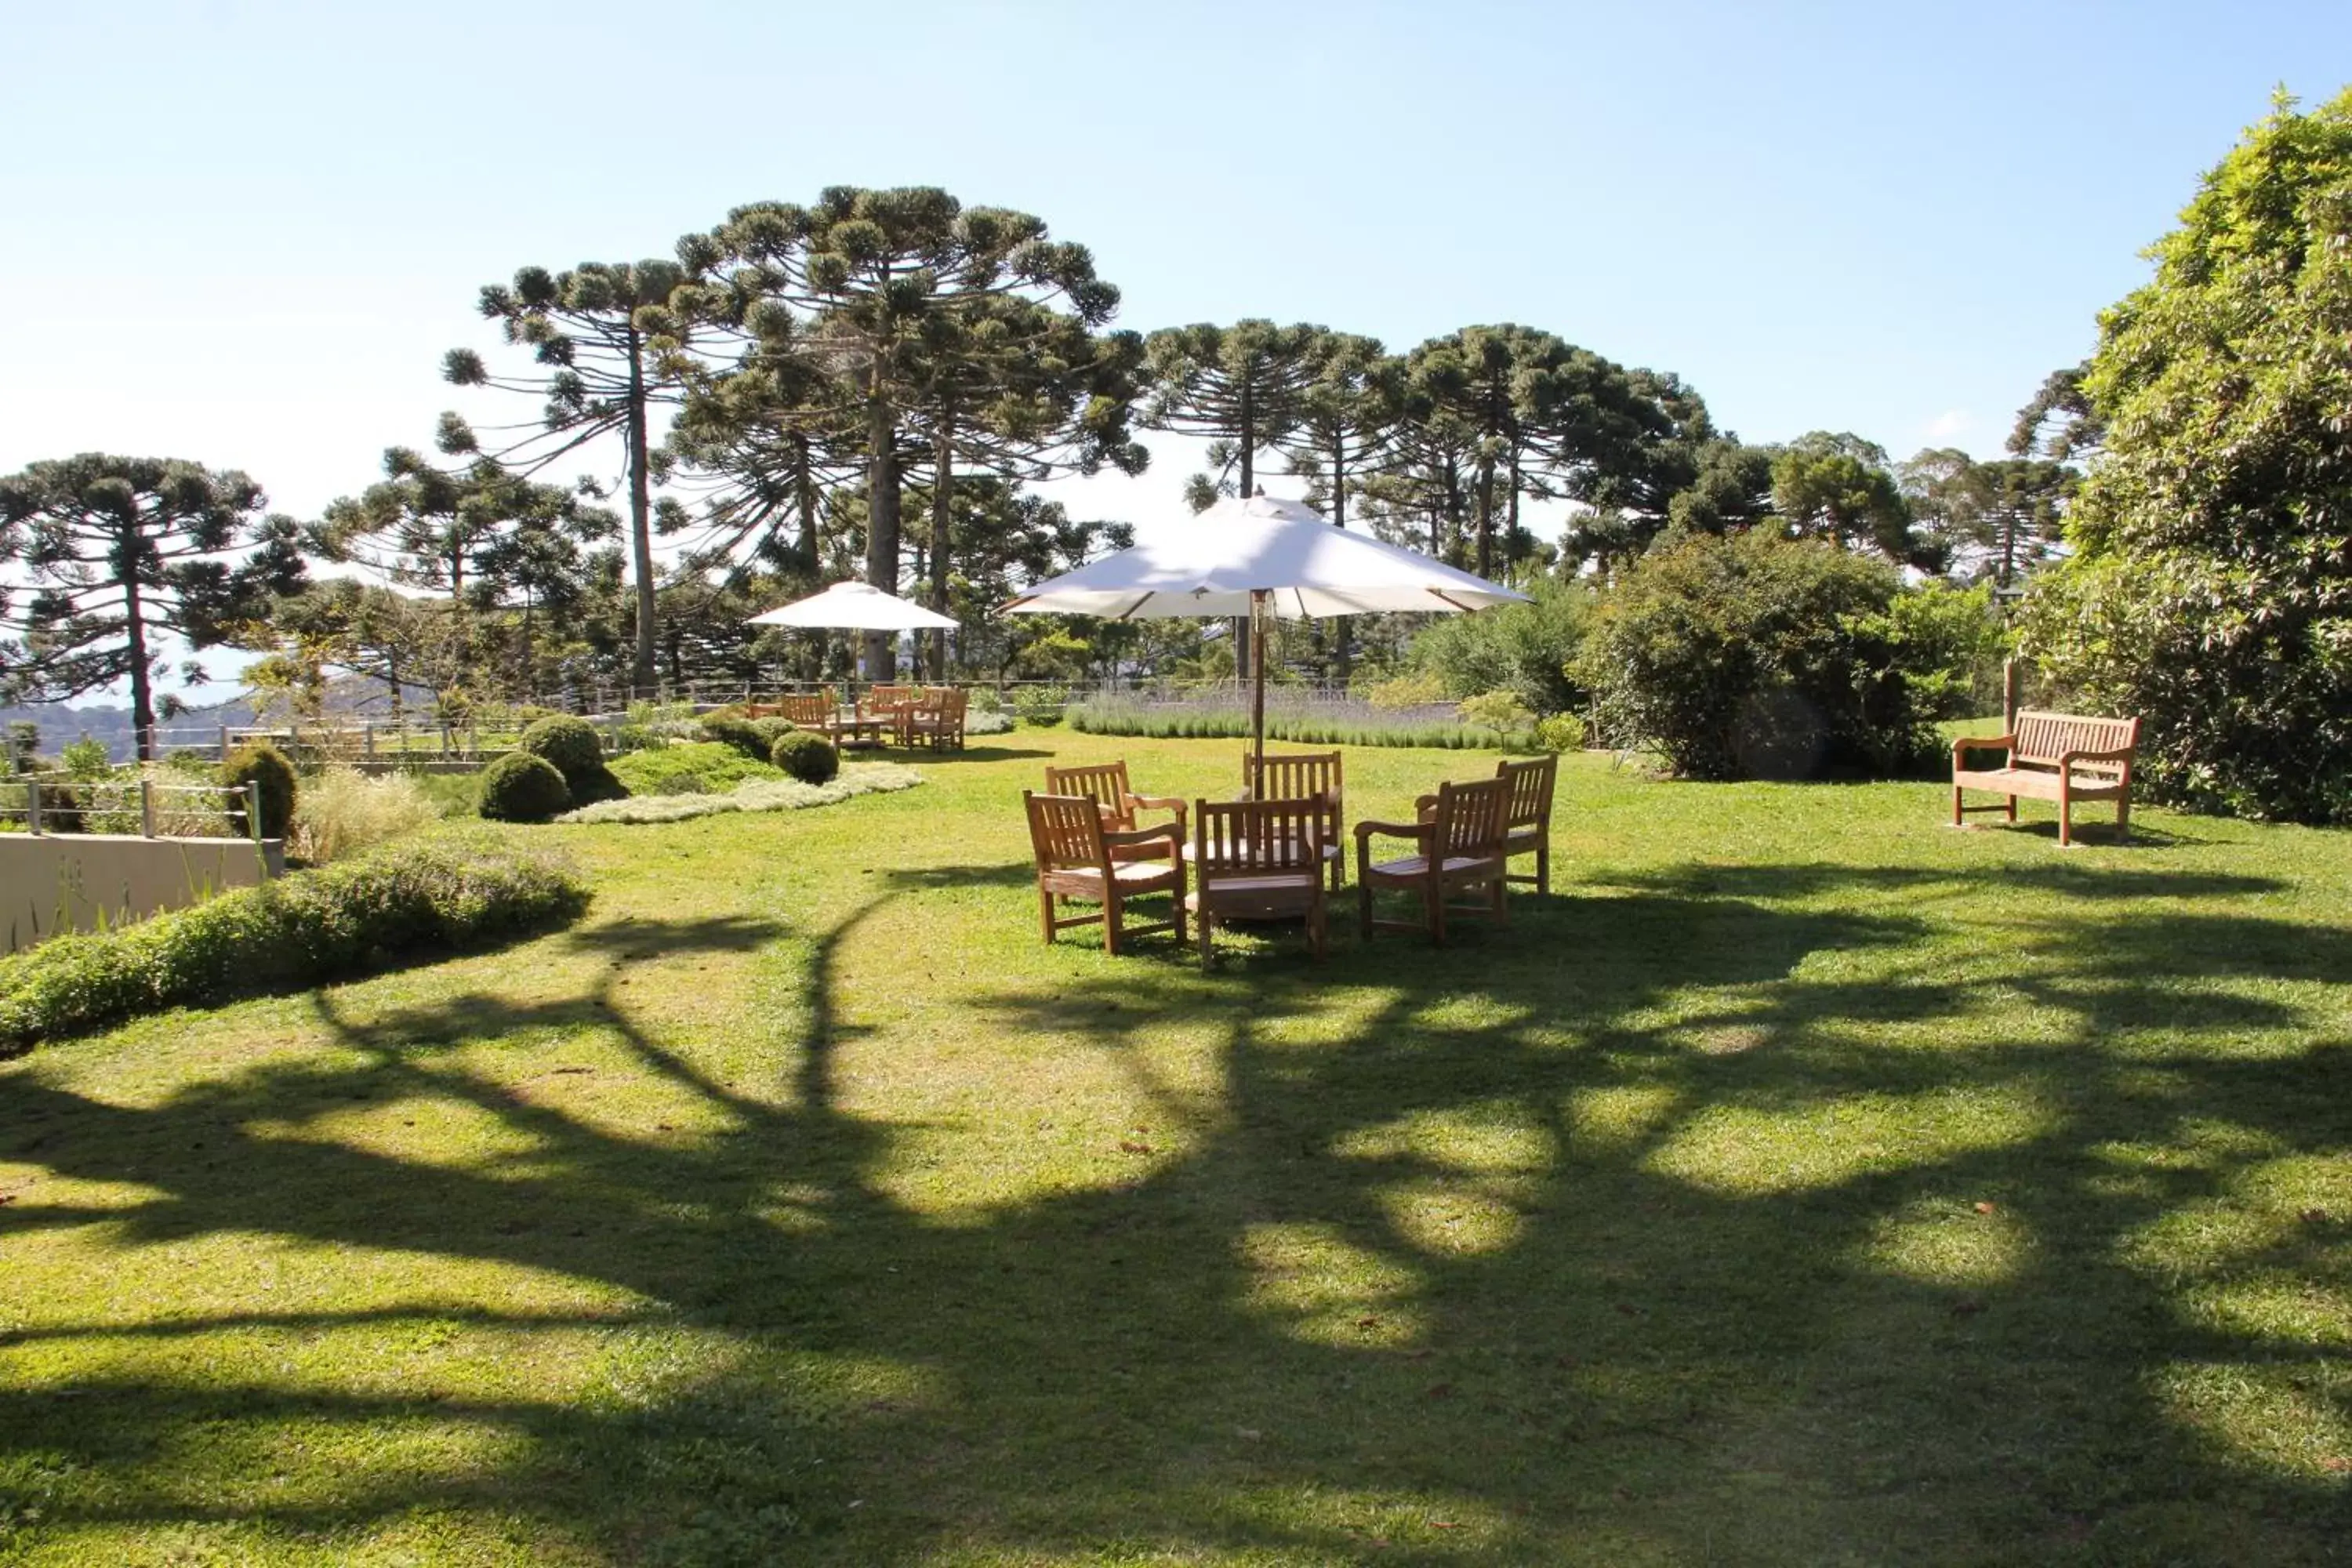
column 1364, row 830
column 1423, row 805
column 2121, row 754
column 1157, row 802
column 1981, row 744
column 1167, row 830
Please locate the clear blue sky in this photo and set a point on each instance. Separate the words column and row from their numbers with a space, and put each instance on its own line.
column 244, row 233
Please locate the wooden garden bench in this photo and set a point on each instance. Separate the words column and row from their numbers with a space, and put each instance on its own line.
column 2063, row 757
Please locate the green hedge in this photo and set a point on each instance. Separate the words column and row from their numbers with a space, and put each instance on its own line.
column 402, row 900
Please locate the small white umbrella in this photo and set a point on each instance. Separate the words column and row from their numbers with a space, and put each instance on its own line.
column 855, row 606
column 1259, row 556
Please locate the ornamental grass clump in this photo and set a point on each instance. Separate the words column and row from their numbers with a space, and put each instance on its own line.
column 343, row 811
column 429, row 897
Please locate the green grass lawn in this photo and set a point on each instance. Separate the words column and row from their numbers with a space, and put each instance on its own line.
column 1804, row 1183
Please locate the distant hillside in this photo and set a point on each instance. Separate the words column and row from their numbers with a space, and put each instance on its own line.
column 60, row 725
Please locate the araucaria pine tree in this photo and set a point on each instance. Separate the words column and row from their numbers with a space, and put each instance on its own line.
column 109, row 561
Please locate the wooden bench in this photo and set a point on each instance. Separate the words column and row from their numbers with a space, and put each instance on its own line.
column 2063, row 757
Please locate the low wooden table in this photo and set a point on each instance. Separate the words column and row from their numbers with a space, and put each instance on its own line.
column 851, row 730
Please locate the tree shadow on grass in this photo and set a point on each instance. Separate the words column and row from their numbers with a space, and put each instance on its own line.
column 1643, row 1230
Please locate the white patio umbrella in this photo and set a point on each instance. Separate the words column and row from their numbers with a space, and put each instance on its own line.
column 853, row 606
column 1260, row 557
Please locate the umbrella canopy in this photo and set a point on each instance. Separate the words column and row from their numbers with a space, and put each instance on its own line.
column 1258, row 556
column 1281, row 557
column 854, row 607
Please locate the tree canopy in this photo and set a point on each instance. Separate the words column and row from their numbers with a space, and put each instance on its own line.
column 2211, row 591
column 112, row 558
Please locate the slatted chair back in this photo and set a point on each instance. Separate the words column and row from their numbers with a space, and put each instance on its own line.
column 812, row 711
column 1470, row 821
column 1066, row 833
column 1256, row 839
column 1530, row 786
column 878, row 699
column 1105, row 785
column 2044, row 738
column 1297, row 775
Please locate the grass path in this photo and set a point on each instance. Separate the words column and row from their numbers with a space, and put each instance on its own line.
column 1807, row 1184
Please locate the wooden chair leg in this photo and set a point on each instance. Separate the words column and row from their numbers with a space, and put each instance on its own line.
column 2065, row 816
column 1364, row 907
column 1433, row 903
column 1045, row 915
column 1956, row 816
column 1317, row 936
column 1202, row 930
column 1114, row 913
column 1543, row 869
column 2122, row 818
column 2012, row 808
column 1494, row 901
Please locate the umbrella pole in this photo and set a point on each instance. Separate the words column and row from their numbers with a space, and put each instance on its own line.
column 1257, row 681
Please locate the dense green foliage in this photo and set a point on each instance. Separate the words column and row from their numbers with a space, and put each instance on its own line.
column 810, row 758
column 431, row 896
column 2211, row 593
column 259, row 762
column 1753, row 657
column 519, row 787
column 698, row 767
column 744, row 734
column 1523, row 648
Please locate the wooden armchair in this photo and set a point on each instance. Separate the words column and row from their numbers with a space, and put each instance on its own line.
column 1105, row 785
column 1075, row 859
column 1526, row 821
column 1462, row 838
column 813, row 711
column 1258, row 860
column 936, row 719
column 1303, row 776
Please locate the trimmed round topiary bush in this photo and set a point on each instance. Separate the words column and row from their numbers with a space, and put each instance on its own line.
column 520, row 787
column 572, row 744
column 258, row 761
column 810, row 758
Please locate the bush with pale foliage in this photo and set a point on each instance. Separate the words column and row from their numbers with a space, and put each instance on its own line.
column 342, row 811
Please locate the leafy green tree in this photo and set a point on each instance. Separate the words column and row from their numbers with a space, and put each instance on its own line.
column 893, row 286
column 1839, row 487
column 1756, row 656
column 109, row 558
column 2210, row 590
column 590, row 331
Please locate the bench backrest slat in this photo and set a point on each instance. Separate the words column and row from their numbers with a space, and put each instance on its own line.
column 2045, row 737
